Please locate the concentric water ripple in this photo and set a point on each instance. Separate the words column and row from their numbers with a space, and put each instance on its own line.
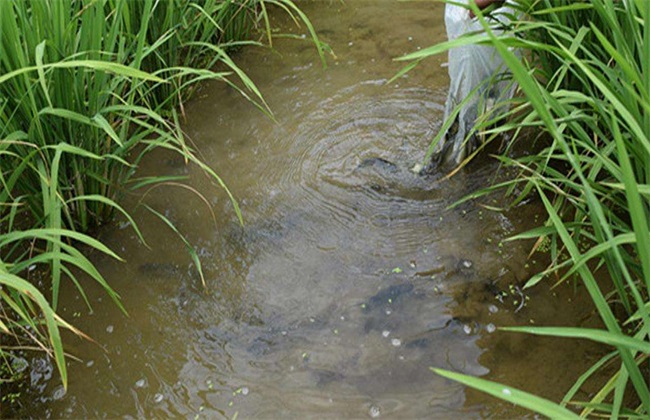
column 323, row 169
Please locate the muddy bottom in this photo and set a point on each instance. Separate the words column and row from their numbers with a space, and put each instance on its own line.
column 351, row 276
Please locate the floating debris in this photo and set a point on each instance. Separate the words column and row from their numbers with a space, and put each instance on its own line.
column 490, row 328
column 158, row 398
column 109, row 329
column 467, row 263
column 385, row 333
column 493, row 309
column 396, row 342
column 467, row 329
column 140, row 383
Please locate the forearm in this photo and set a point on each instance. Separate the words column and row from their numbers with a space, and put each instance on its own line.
column 482, row 4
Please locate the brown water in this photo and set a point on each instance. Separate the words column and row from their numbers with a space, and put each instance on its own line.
column 351, row 276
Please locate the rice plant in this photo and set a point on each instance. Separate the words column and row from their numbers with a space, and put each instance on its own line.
column 585, row 84
column 87, row 89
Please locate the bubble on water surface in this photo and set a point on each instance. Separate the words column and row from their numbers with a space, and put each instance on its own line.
column 19, row 364
column 58, row 393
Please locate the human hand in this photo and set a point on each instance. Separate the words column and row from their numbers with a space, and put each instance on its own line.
column 482, row 4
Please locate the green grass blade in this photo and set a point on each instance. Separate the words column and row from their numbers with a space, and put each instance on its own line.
column 190, row 249
column 26, row 289
column 511, row 395
column 599, row 336
column 90, row 64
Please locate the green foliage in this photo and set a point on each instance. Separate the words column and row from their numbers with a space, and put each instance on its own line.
column 512, row 395
column 585, row 84
column 87, row 89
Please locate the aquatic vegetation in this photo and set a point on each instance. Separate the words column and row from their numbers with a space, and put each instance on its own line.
column 87, row 89
column 585, row 88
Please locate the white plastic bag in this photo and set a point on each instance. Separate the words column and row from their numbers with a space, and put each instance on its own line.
column 469, row 67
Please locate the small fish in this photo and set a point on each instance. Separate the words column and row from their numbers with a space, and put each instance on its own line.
column 388, row 295
column 379, row 163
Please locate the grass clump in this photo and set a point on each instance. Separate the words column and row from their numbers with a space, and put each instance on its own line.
column 87, row 89
column 585, row 87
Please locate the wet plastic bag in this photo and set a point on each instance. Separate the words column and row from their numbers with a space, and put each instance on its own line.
column 471, row 67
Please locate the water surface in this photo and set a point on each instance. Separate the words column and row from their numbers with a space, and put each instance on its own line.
column 351, row 276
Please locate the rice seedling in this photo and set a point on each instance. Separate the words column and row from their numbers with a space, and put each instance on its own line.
column 87, row 89
column 585, row 83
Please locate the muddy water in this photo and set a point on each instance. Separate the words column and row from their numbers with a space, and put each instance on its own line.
column 351, row 276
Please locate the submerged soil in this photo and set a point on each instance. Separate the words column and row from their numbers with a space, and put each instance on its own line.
column 351, row 276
